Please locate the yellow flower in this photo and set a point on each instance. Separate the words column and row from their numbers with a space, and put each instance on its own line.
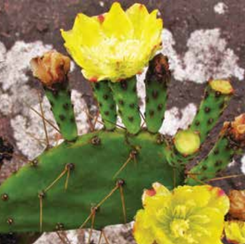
column 187, row 215
column 115, row 45
column 235, row 232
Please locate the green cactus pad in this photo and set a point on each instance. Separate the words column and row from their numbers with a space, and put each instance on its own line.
column 106, row 104
column 217, row 160
column 187, row 142
column 215, row 101
column 96, row 163
column 231, row 141
column 157, row 78
column 125, row 96
column 59, row 97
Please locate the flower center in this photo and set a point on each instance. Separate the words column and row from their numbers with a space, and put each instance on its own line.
column 179, row 227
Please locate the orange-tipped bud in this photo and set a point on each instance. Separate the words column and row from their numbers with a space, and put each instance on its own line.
column 237, row 204
column 236, row 130
column 51, row 68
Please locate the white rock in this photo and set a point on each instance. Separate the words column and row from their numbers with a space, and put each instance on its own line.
column 207, row 57
column 220, row 8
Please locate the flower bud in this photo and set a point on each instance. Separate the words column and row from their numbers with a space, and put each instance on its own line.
column 237, row 204
column 51, row 68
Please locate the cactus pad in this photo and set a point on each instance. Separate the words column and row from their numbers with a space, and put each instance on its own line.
column 70, row 179
column 97, row 179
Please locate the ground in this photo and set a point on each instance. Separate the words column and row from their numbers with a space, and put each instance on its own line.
column 203, row 38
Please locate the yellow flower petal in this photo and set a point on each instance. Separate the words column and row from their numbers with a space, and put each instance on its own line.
column 87, row 30
column 141, row 226
column 219, row 199
column 235, row 232
column 138, row 15
column 117, row 23
column 71, row 47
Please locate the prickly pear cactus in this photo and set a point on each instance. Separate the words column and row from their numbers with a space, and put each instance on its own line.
column 106, row 171
column 97, row 179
